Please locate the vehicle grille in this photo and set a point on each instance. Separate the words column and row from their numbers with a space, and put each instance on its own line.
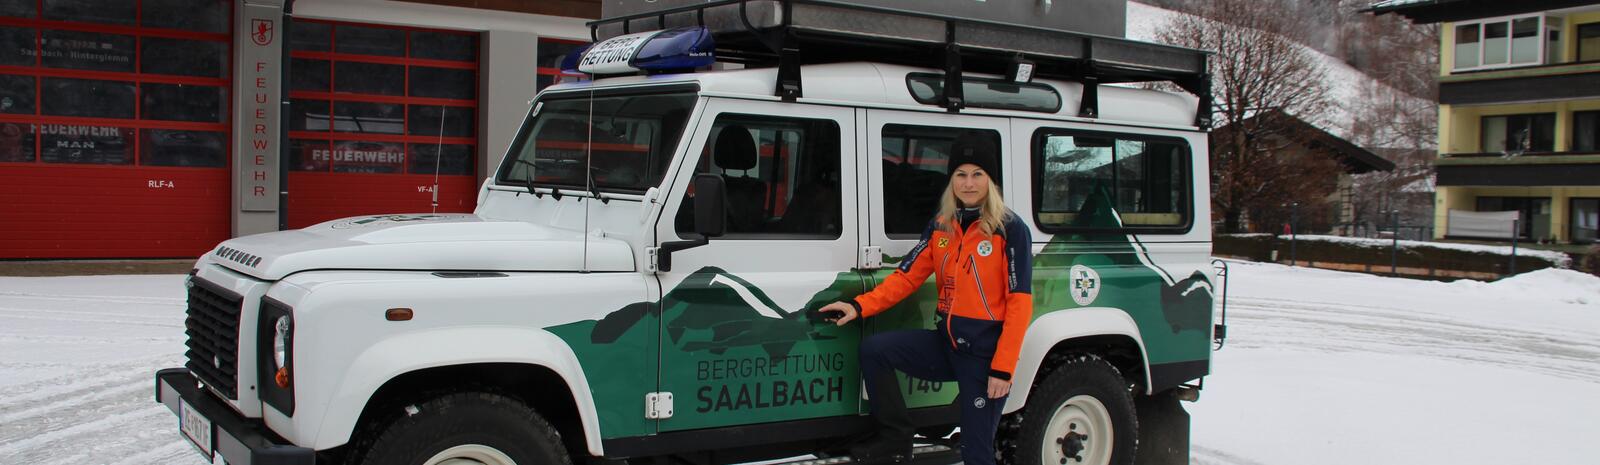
column 213, row 330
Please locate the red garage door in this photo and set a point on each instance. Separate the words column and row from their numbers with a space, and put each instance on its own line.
column 380, row 115
column 114, row 134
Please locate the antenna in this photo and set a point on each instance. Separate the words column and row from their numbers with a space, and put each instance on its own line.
column 438, row 157
column 588, row 178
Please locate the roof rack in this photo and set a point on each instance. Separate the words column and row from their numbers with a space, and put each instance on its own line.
column 791, row 33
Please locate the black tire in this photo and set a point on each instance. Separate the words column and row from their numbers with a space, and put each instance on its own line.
column 1023, row 437
column 488, row 421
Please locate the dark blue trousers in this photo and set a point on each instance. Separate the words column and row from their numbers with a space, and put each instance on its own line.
column 927, row 354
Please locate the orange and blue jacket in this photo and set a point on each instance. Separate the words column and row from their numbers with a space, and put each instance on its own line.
column 985, row 287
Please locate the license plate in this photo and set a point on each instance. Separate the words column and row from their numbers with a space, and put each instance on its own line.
column 196, row 427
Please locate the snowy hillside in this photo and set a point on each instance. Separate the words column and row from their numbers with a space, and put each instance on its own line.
column 1348, row 88
column 1321, row 367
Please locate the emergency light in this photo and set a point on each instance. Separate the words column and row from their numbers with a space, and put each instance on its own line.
column 665, row 50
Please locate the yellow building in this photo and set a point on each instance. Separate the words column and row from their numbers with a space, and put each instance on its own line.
column 1519, row 112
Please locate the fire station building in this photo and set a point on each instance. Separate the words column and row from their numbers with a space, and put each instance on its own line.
column 158, row 128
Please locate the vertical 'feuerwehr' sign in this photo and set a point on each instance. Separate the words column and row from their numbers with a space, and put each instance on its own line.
column 257, row 95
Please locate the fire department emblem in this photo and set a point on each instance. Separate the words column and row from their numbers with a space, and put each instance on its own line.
column 261, row 31
column 1085, row 284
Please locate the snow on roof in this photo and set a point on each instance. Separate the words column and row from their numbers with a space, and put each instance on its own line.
column 1396, row 3
column 1421, row 185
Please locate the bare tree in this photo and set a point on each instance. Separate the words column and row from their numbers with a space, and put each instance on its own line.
column 1387, row 47
column 1390, row 49
column 1258, row 70
column 1403, row 130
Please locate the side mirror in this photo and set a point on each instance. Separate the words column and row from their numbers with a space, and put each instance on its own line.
column 710, row 209
column 709, row 218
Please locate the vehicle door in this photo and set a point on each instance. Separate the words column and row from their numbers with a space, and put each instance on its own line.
column 906, row 174
column 1122, row 224
column 738, row 345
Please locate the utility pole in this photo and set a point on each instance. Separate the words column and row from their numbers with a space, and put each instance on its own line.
column 1294, row 226
column 1515, row 228
column 1394, row 247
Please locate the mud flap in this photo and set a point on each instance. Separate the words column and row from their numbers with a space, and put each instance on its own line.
column 1163, row 430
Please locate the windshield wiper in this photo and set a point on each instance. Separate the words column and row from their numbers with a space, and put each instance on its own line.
column 594, row 188
column 528, row 180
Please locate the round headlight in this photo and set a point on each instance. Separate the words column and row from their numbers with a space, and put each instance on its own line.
column 280, row 341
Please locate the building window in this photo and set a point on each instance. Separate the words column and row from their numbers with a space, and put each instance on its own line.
column 1533, row 214
column 1586, row 131
column 551, row 51
column 1467, row 45
column 1502, row 43
column 1519, row 133
column 100, row 82
column 1589, row 42
column 1585, row 220
column 382, row 99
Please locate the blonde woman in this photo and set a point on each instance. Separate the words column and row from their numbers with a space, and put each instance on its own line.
column 980, row 254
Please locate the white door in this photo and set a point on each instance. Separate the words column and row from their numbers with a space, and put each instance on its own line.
column 738, row 346
column 906, row 173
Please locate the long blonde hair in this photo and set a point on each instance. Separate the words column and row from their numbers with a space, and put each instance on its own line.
column 992, row 213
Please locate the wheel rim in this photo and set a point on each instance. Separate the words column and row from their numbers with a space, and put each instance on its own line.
column 1079, row 433
column 470, row 454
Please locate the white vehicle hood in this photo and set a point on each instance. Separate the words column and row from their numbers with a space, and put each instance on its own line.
column 430, row 242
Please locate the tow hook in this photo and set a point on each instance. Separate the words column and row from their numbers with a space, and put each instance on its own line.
column 1072, row 444
column 1188, row 393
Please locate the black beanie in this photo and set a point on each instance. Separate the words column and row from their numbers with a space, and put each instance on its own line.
column 978, row 148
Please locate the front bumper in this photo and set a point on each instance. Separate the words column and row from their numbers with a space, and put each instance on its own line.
column 239, row 440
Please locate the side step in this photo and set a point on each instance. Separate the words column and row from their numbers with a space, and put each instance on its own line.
column 934, row 454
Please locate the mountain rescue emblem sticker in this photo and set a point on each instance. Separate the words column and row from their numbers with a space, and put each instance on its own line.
column 985, row 248
column 1085, row 285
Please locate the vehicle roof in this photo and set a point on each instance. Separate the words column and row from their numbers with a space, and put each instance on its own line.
column 884, row 85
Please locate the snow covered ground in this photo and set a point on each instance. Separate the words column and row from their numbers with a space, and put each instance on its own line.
column 1321, row 367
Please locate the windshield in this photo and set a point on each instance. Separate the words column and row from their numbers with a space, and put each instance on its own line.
column 630, row 141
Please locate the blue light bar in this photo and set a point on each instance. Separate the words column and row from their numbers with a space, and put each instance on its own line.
column 569, row 63
column 671, row 49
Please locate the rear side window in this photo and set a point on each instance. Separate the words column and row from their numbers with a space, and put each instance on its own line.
column 915, row 172
column 1096, row 180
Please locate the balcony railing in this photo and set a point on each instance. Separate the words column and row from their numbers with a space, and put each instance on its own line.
column 1517, row 155
column 1522, row 71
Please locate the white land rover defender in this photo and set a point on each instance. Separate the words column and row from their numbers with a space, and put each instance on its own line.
column 639, row 280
